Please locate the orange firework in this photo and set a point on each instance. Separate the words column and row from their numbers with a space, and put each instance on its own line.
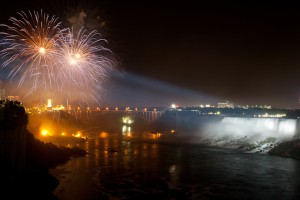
column 36, row 49
column 30, row 41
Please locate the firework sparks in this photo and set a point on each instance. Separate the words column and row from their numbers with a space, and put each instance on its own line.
column 83, row 61
column 30, row 42
column 83, row 58
column 35, row 48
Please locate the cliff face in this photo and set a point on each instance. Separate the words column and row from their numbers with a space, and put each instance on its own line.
column 24, row 159
column 13, row 122
column 13, row 152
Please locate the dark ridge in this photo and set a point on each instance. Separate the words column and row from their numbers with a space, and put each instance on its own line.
column 25, row 160
column 36, row 182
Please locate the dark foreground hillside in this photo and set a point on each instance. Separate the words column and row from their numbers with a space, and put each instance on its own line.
column 36, row 182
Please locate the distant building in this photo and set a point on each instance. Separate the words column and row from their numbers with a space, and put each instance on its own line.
column 2, row 94
column 13, row 98
column 225, row 104
column 49, row 104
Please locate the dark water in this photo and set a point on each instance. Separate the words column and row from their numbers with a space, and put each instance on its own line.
column 146, row 166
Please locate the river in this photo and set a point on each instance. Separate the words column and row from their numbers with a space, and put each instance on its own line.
column 141, row 165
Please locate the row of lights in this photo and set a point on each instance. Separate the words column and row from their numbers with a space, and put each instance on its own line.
column 116, row 109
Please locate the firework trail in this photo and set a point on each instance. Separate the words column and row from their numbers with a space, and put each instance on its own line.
column 36, row 48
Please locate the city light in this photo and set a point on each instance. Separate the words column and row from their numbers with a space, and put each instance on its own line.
column 127, row 120
column 44, row 133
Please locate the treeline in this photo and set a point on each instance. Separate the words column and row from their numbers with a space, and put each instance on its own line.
column 240, row 111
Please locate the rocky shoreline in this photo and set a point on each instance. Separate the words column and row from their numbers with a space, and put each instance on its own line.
column 287, row 149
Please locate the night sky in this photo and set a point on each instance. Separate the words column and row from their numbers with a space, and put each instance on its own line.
column 246, row 53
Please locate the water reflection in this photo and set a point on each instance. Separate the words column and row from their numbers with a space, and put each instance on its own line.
column 128, row 164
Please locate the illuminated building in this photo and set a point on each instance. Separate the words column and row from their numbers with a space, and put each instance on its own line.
column 13, row 98
column 2, row 94
column 49, row 104
column 225, row 104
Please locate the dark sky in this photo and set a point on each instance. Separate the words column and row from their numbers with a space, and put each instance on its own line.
column 248, row 53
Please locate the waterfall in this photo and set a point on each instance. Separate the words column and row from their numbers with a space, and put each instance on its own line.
column 249, row 132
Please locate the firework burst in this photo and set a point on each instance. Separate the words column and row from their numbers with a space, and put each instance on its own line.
column 37, row 49
column 83, row 58
column 30, row 47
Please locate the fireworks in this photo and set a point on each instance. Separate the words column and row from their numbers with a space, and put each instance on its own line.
column 35, row 48
column 83, row 59
column 29, row 47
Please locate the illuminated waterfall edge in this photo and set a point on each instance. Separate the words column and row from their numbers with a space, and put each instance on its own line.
column 249, row 134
